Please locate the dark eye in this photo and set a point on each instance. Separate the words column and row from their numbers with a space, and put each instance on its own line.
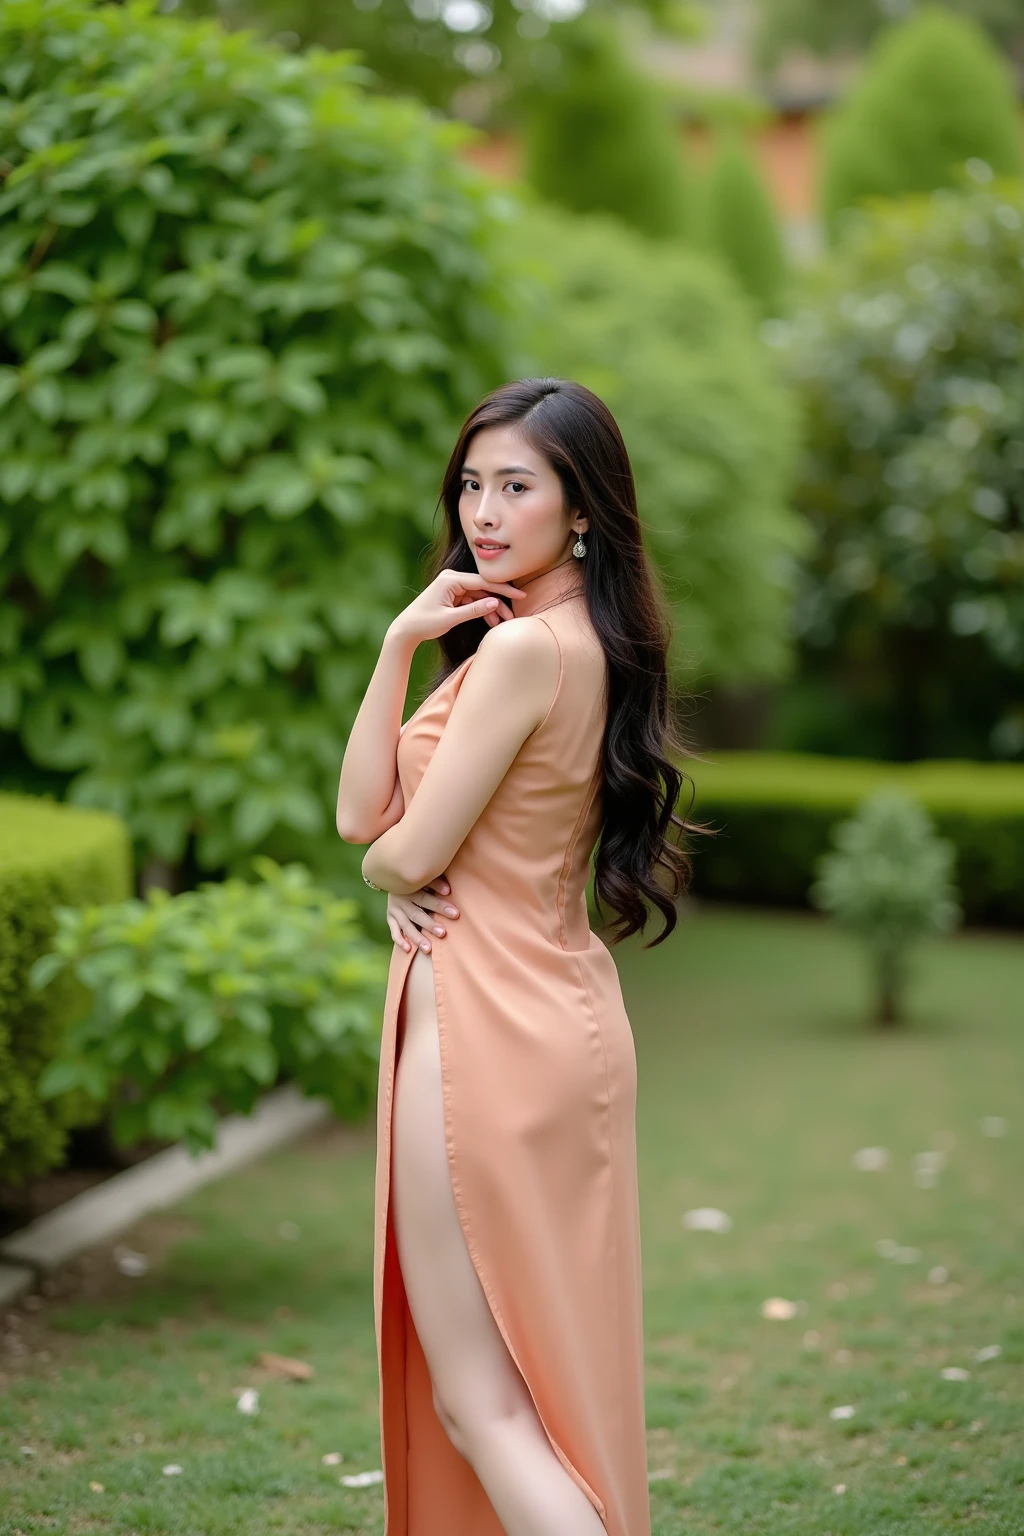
column 467, row 483
column 520, row 484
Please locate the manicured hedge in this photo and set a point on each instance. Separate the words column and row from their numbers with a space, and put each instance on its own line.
column 49, row 855
column 776, row 811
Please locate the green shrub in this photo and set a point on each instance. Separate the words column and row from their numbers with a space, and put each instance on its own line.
column 909, row 356
column 200, row 1001
column 244, row 307
column 741, row 226
column 935, row 93
column 776, row 811
column 49, row 855
column 888, row 880
column 599, row 135
column 668, row 340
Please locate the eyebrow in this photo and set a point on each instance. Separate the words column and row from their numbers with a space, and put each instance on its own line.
column 510, row 469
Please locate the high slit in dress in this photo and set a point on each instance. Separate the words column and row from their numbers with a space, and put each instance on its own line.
column 539, row 1092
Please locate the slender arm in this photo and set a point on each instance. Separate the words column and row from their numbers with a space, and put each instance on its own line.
column 369, row 794
column 506, row 693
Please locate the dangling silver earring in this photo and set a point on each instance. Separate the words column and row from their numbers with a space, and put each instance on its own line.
column 579, row 549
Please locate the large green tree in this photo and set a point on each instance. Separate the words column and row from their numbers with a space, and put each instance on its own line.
column 600, row 137
column 243, row 310
column 934, row 94
column 668, row 339
column 908, row 354
column 470, row 57
column 849, row 26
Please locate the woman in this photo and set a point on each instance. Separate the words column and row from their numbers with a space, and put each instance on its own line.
column 507, row 1284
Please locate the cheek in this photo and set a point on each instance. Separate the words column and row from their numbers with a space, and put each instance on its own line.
column 540, row 515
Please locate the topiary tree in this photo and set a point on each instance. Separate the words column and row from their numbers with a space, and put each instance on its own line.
column 890, row 881
column 935, row 93
column 669, row 341
column 741, row 226
column 909, row 355
column 244, row 309
column 599, row 136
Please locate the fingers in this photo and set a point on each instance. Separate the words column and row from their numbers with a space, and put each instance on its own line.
column 412, row 921
column 478, row 609
column 428, row 900
column 397, row 934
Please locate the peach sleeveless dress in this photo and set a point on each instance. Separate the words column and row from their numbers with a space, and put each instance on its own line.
column 539, row 1087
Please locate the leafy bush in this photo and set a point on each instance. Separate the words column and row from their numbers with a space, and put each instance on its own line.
column 200, row 1001
column 244, row 308
column 909, row 355
column 934, row 94
column 667, row 339
column 888, row 880
column 49, row 854
column 740, row 225
column 599, row 136
column 776, row 811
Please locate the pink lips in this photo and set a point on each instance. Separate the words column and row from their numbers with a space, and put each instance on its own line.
column 489, row 554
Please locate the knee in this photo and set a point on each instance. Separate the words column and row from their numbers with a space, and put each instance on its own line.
column 468, row 1419
column 451, row 1423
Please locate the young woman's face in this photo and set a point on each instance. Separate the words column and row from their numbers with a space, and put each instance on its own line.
column 512, row 496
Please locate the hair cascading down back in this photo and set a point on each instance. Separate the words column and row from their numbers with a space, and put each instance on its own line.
column 578, row 435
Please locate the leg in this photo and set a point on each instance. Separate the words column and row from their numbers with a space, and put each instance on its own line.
column 479, row 1395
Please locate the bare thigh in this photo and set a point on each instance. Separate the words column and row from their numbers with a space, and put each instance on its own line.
column 474, row 1377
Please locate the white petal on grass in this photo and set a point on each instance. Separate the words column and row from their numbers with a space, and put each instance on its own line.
column 887, row 1247
column 955, row 1373
column 706, row 1219
column 938, row 1275
column 778, row 1308
column 290, row 1231
column 906, row 1255
column 172, row 1469
column 838, row 1487
column 249, row 1401
column 660, row 1475
column 332, row 1459
column 844, row 1411
column 988, row 1352
column 26, row 1450
column 994, row 1125
column 361, row 1479
column 871, row 1159
column 929, row 1162
column 128, row 1262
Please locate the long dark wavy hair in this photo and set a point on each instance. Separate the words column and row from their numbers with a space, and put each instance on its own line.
column 578, row 435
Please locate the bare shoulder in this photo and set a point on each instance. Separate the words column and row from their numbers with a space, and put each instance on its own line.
column 519, row 662
column 520, row 642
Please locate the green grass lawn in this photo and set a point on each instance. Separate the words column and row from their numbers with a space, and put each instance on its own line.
column 758, row 1082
